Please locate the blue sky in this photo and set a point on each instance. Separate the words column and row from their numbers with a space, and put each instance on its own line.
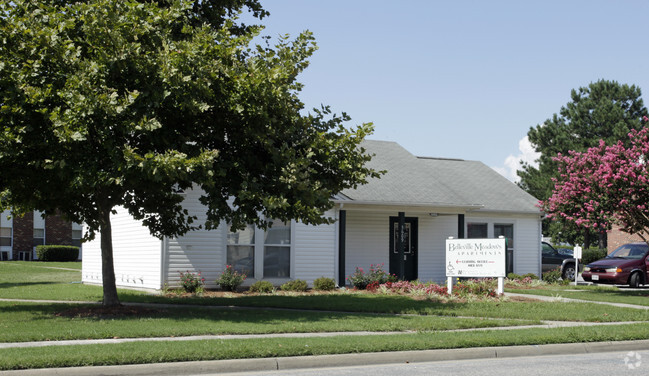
column 462, row 79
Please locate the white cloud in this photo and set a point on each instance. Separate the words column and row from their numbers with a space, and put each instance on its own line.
column 513, row 163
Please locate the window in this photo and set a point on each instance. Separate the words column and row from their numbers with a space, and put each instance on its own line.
column 76, row 238
column 277, row 250
column 268, row 252
column 5, row 236
column 241, row 250
column 507, row 231
column 407, row 244
column 476, row 230
column 39, row 229
column 39, row 237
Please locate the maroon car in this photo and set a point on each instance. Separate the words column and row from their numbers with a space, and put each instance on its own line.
column 627, row 265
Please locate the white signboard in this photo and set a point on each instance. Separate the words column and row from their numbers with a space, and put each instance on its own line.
column 475, row 257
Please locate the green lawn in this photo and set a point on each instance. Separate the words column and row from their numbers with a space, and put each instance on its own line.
column 346, row 311
column 20, row 322
column 151, row 352
column 593, row 293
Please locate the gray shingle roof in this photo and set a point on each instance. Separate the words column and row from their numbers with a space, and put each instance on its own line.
column 436, row 182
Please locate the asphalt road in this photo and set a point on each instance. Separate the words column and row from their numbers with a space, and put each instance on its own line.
column 596, row 364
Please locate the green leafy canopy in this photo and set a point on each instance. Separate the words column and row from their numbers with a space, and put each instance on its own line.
column 128, row 103
column 604, row 110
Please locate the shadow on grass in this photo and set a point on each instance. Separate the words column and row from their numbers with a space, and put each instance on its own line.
column 359, row 303
column 23, row 284
column 38, row 312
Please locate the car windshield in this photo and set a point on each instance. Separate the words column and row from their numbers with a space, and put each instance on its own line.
column 629, row 251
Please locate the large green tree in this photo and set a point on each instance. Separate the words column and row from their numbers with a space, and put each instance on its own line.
column 604, row 110
column 127, row 103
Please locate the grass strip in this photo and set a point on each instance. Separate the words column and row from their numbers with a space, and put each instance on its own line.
column 378, row 303
column 23, row 322
column 154, row 352
column 592, row 293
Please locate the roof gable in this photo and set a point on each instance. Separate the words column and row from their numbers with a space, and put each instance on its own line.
column 421, row 181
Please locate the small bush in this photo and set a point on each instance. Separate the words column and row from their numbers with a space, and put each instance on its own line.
column 191, row 282
column 375, row 276
column 230, row 279
column 531, row 276
column 262, row 286
column 514, row 276
column 295, row 285
column 552, row 276
column 480, row 287
column 324, row 284
column 57, row 253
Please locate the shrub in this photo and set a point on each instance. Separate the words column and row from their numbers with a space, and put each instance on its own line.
column 552, row 276
column 479, row 287
column 514, row 276
column 592, row 254
column 262, row 286
column 530, row 276
column 57, row 253
column 295, row 285
column 324, row 284
column 191, row 282
column 230, row 279
column 361, row 280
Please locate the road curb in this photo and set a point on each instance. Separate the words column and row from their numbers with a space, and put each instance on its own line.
column 324, row 361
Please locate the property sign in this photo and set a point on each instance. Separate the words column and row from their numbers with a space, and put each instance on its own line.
column 475, row 257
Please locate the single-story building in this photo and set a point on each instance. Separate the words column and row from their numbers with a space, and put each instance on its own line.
column 435, row 199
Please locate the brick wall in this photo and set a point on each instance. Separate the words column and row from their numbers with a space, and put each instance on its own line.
column 57, row 231
column 23, row 234
column 616, row 238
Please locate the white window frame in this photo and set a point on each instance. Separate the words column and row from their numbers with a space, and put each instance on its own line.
column 228, row 246
column 38, row 221
column 11, row 237
column 259, row 255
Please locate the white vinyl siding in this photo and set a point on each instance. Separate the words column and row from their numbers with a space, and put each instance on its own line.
column 367, row 240
column 527, row 239
column 136, row 254
column 315, row 251
column 200, row 250
column 433, row 232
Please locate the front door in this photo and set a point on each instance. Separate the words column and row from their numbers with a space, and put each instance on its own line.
column 409, row 249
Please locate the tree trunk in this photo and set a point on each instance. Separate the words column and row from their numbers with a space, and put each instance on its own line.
column 107, row 268
column 586, row 238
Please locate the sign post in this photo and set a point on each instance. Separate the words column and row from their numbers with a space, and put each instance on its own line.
column 577, row 255
column 476, row 258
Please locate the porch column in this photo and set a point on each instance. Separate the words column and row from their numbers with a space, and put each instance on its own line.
column 460, row 226
column 401, row 244
column 342, row 229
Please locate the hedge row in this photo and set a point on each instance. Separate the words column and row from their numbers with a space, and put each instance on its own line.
column 57, row 253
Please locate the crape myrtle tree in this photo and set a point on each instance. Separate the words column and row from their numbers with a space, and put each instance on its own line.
column 128, row 103
column 604, row 110
column 607, row 184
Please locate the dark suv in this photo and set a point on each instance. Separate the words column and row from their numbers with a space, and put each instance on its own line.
column 627, row 265
column 552, row 259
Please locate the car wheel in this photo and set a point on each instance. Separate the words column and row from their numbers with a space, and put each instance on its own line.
column 634, row 280
column 568, row 272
